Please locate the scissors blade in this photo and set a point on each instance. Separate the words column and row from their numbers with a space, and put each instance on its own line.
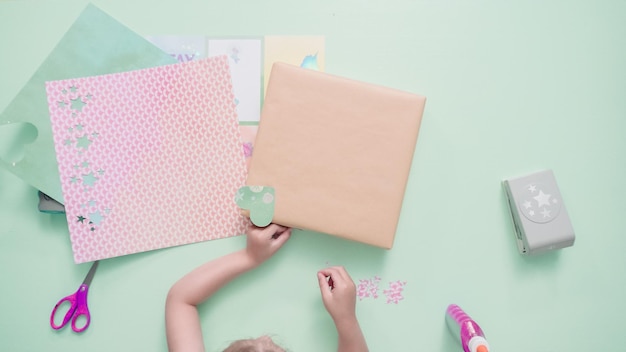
column 91, row 273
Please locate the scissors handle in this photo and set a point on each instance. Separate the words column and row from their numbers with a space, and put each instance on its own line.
column 78, row 308
column 68, row 315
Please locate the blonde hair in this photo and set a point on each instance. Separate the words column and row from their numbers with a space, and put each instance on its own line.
column 261, row 344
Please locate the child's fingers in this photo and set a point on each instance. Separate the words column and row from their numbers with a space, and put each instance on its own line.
column 274, row 229
column 324, row 287
column 338, row 274
column 282, row 237
column 333, row 269
column 330, row 278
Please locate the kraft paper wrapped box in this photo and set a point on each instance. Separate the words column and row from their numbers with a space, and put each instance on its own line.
column 337, row 152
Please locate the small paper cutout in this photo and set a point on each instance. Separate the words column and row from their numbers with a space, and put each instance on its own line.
column 394, row 292
column 259, row 201
column 368, row 288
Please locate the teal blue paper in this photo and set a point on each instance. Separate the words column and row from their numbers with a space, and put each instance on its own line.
column 95, row 44
column 13, row 139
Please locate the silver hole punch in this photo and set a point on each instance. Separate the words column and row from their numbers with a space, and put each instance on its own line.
column 49, row 205
column 538, row 211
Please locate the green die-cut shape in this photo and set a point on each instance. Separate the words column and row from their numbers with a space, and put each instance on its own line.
column 259, row 201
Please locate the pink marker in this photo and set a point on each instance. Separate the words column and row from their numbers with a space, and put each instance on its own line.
column 466, row 330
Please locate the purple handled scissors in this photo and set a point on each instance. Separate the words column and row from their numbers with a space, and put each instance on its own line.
column 78, row 304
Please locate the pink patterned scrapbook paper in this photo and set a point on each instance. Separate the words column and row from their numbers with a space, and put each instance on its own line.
column 148, row 159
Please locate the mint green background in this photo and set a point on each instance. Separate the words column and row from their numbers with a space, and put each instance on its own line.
column 512, row 87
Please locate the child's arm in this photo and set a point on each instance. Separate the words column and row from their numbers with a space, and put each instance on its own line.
column 339, row 296
column 182, row 322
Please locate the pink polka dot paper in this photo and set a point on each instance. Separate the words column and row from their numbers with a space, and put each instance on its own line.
column 148, row 159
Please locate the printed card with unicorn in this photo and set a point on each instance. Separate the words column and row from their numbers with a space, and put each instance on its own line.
column 148, row 159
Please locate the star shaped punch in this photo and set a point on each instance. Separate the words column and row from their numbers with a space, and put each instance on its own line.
column 540, row 203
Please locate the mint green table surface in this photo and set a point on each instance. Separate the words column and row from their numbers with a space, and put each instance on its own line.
column 512, row 87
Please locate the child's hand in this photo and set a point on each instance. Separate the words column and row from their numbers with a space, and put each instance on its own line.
column 263, row 242
column 338, row 293
column 339, row 296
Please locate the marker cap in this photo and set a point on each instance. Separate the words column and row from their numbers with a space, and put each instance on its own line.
column 478, row 344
